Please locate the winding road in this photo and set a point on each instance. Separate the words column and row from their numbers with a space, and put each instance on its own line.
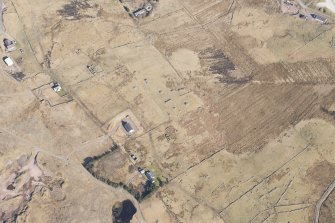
column 322, row 200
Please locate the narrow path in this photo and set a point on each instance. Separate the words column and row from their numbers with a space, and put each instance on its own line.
column 2, row 7
column 322, row 200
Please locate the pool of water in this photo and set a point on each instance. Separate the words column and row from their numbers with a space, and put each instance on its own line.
column 123, row 211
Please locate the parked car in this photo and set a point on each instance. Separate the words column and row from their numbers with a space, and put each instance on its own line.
column 133, row 157
column 141, row 170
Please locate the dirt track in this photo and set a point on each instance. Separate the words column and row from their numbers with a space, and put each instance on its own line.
column 321, row 201
column 226, row 96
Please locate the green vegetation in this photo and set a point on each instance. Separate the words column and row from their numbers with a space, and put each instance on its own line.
column 148, row 188
column 61, row 93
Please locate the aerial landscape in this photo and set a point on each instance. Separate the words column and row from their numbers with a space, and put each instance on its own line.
column 159, row 111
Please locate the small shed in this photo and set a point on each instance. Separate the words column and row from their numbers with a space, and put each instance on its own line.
column 148, row 7
column 56, row 87
column 8, row 61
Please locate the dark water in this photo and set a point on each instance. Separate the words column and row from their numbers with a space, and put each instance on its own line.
column 123, row 212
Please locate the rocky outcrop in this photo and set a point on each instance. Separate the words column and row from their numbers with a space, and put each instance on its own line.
column 19, row 180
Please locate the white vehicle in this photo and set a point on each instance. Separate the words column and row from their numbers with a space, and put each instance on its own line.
column 8, row 61
column 141, row 170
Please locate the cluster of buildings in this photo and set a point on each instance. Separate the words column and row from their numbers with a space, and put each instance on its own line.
column 150, row 176
column 10, row 45
column 293, row 8
column 129, row 128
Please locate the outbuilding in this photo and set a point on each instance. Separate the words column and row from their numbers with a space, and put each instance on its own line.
column 319, row 18
column 56, row 87
column 8, row 61
column 150, row 176
column 9, row 45
column 148, row 7
column 140, row 12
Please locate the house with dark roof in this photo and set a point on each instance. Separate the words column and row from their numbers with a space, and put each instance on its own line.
column 319, row 18
column 9, row 45
column 127, row 127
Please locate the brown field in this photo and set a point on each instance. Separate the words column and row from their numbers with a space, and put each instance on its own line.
column 232, row 102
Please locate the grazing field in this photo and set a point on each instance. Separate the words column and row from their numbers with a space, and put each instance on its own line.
column 230, row 105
